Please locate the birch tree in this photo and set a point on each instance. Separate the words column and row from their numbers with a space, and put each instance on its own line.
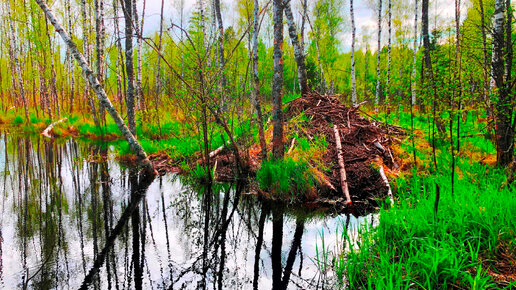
column 353, row 76
column 298, row 52
column 99, row 91
column 378, row 53
column 256, row 81
column 277, row 81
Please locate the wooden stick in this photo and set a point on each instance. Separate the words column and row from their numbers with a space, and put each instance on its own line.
column 343, row 179
column 386, row 181
column 46, row 132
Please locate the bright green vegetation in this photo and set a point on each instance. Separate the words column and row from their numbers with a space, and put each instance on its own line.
column 285, row 178
column 472, row 233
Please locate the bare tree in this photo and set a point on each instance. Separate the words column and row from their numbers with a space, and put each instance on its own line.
column 277, row 81
column 353, row 34
column 414, row 55
column 298, row 52
column 129, row 67
column 378, row 53
column 256, row 82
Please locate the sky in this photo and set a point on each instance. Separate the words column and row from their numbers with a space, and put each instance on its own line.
column 442, row 13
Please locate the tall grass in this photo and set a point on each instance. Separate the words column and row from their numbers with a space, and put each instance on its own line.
column 415, row 246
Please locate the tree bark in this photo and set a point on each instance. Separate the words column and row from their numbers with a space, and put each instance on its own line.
column 277, row 81
column 389, row 47
column 99, row 91
column 298, row 52
column 378, row 50
column 504, row 130
column 414, row 57
column 221, row 60
column 353, row 76
column 256, row 83
column 426, row 41
column 129, row 67
column 342, row 170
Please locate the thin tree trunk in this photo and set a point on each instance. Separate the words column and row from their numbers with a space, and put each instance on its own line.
column 99, row 91
column 378, row 50
column 277, row 81
column 99, row 37
column 129, row 67
column 389, row 47
column 353, row 76
column 221, row 60
column 159, row 83
column 486, row 97
column 414, row 57
column 298, row 52
column 53, row 72
column 86, row 50
column 256, row 83
column 139, row 43
column 426, row 42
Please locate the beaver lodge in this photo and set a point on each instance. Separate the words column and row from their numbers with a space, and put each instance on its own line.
column 357, row 176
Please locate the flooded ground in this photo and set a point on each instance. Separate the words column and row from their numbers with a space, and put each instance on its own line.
column 69, row 219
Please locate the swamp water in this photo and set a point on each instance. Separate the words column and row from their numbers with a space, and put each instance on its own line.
column 68, row 219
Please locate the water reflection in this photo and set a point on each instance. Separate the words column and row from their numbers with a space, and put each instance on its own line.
column 72, row 217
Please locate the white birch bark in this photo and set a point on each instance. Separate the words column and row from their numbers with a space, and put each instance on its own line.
column 353, row 74
column 378, row 50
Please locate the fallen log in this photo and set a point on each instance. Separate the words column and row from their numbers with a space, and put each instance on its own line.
column 343, row 179
column 386, row 181
column 47, row 130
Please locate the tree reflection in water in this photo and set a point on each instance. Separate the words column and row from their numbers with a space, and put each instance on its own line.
column 73, row 217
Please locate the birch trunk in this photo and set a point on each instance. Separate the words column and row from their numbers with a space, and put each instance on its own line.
column 428, row 72
column 221, row 60
column 256, row 83
column 298, row 52
column 487, row 97
column 378, row 50
column 277, row 81
column 414, row 56
column 504, row 130
column 86, row 50
column 99, row 91
column 139, row 43
column 389, row 46
column 129, row 67
column 353, row 34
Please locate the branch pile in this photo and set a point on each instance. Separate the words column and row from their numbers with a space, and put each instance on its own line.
column 364, row 143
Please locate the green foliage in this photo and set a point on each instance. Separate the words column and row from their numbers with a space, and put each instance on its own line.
column 285, row 178
column 18, row 120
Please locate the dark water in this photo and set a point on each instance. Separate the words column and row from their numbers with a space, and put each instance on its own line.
column 70, row 218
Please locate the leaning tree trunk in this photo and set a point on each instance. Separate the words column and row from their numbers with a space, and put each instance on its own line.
column 256, row 82
column 277, row 81
column 414, row 57
column 298, row 52
column 504, row 131
column 378, row 50
column 353, row 34
column 129, row 67
column 99, row 91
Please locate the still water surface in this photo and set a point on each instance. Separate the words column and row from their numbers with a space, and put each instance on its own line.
column 69, row 219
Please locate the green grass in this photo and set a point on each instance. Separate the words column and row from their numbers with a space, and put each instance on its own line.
column 415, row 247
column 285, row 178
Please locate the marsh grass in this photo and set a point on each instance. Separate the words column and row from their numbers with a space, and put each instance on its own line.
column 415, row 246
